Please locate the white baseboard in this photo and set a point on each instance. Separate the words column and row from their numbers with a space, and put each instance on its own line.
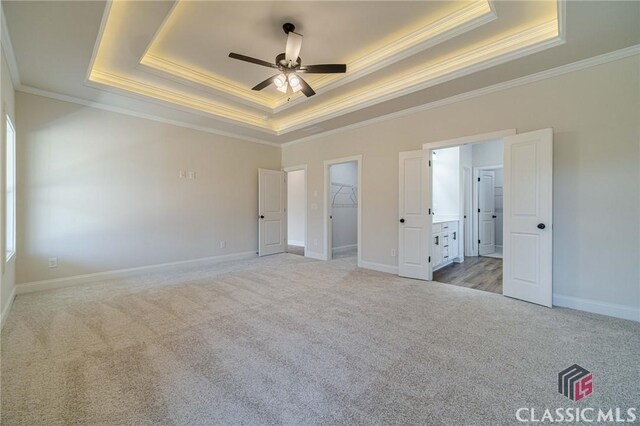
column 380, row 267
column 610, row 309
column 344, row 248
column 296, row 243
column 124, row 273
column 7, row 309
column 314, row 255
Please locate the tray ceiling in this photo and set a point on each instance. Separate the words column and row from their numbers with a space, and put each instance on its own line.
column 176, row 52
column 167, row 60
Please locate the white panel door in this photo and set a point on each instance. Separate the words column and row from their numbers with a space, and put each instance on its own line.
column 528, row 197
column 415, row 221
column 272, row 215
column 486, row 213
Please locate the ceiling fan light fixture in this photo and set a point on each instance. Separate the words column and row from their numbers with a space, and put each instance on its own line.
column 289, row 63
column 294, row 82
column 280, row 81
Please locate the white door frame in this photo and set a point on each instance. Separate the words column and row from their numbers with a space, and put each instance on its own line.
column 327, row 203
column 467, row 140
column 476, row 203
column 306, row 207
column 467, row 200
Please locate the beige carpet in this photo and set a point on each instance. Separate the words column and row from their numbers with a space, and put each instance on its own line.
column 289, row 340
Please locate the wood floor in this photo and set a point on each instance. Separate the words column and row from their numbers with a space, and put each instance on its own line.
column 481, row 273
column 295, row 250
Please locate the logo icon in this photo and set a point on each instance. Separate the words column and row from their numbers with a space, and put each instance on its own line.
column 575, row 382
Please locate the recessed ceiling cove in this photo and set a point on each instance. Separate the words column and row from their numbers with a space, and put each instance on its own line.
column 177, row 53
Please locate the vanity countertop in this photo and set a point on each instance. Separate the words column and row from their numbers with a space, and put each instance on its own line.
column 442, row 219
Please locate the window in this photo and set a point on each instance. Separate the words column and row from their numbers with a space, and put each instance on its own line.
column 11, row 189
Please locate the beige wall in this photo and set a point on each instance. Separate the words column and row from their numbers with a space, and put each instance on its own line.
column 7, row 93
column 101, row 191
column 594, row 113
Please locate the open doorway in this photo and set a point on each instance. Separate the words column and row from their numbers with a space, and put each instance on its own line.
column 296, row 210
column 343, row 214
column 424, row 235
column 467, row 232
column 344, row 210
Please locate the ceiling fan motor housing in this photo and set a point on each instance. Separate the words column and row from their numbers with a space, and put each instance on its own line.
column 281, row 61
column 288, row 27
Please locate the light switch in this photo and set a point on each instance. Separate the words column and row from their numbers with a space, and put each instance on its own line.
column 192, row 175
column 182, row 174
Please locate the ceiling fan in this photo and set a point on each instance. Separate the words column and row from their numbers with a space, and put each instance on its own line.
column 290, row 66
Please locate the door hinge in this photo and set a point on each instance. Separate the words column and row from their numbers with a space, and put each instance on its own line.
column 429, row 163
column 429, row 211
column 478, row 241
column 478, row 179
column 429, row 259
column 478, row 210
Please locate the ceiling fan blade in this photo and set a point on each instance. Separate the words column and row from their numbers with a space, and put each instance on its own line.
column 265, row 83
column 252, row 60
column 305, row 88
column 324, row 69
column 294, row 44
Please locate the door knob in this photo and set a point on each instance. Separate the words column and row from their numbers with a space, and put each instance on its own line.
column 401, row 220
column 541, row 226
column 261, row 217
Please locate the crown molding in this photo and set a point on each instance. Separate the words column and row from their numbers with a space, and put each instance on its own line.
column 178, row 99
column 554, row 72
column 454, row 24
column 96, row 45
column 613, row 56
column 8, row 51
column 199, row 80
column 515, row 46
column 99, row 105
column 508, row 48
column 467, row 19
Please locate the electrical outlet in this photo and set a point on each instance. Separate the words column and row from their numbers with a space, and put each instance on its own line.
column 182, row 174
column 223, row 244
column 393, row 252
column 53, row 262
column 192, row 175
